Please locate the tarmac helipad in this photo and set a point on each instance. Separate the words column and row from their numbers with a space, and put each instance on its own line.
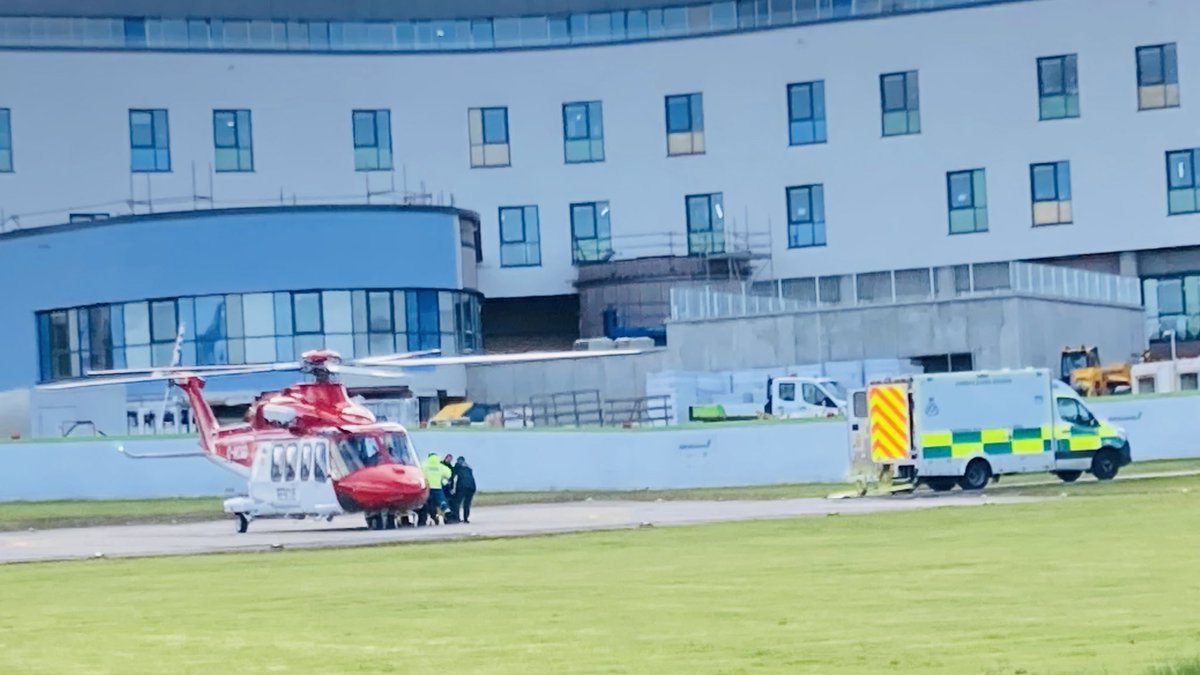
column 496, row 521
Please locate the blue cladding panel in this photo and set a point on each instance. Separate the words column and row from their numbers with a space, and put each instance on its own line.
column 212, row 253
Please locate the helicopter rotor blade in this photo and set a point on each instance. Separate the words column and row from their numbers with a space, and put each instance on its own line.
column 159, row 376
column 382, row 370
column 495, row 359
column 387, row 359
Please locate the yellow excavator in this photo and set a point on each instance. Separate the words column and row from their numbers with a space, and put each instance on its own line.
column 1081, row 368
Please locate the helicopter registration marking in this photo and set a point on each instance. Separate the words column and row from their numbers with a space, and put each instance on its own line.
column 285, row 494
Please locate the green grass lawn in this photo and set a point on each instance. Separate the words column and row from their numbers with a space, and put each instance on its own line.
column 1087, row 584
column 47, row 514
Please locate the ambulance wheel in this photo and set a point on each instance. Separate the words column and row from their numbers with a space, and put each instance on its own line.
column 243, row 523
column 1068, row 476
column 976, row 476
column 940, row 484
column 1104, row 464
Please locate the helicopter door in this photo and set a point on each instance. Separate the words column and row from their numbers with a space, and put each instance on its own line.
column 314, row 487
column 276, row 479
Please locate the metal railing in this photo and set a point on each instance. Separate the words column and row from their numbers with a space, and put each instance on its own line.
column 925, row 284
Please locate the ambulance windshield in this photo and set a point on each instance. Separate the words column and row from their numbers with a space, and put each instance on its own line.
column 834, row 389
column 363, row 450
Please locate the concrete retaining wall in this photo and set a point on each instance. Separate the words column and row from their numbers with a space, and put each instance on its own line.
column 751, row 454
column 503, row 461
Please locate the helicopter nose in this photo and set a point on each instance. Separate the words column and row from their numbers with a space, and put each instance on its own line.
column 385, row 486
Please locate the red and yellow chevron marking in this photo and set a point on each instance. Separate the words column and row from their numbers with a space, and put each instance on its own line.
column 887, row 410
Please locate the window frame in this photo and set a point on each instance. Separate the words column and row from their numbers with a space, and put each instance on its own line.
column 816, row 100
column 1167, row 76
column 379, row 163
column 697, row 143
column 976, row 208
column 590, row 108
column 1194, row 187
column 525, row 242
column 715, row 210
column 815, row 196
column 603, row 244
column 238, row 123
column 153, row 147
column 482, row 143
column 910, row 80
column 1061, row 185
column 1069, row 68
column 8, row 163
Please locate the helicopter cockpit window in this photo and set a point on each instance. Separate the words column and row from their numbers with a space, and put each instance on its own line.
column 293, row 461
column 277, row 462
column 306, row 460
column 359, row 451
column 400, row 448
column 321, row 463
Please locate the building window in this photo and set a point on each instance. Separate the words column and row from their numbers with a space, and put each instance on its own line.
column 253, row 328
column 1183, row 189
column 968, row 201
column 372, row 140
column 706, row 224
column 901, row 101
column 806, row 113
column 583, row 132
column 520, row 239
column 1058, row 87
column 1050, row 185
column 233, row 140
column 6, row 151
column 1172, row 305
column 591, row 234
column 806, row 216
column 685, row 124
column 488, row 128
column 1158, row 77
column 149, row 141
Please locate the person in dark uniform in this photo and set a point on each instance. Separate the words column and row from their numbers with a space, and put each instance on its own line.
column 448, row 489
column 464, row 489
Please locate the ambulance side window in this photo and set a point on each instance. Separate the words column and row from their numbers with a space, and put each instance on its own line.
column 1070, row 411
column 293, row 461
column 306, row 460
column 321, row 463
column 860, row 404
column 787, row 391
column 277, row 463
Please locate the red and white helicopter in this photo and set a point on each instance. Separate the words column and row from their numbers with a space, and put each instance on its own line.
column 309, row 449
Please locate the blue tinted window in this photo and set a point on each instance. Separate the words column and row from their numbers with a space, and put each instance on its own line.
column 520, row 237
column 591, row 232
column 967, row 195
column 149, row 141
column 495, row 125
column 372, row 140
column 705, row 223
column 900, row 98
column 1058, row 87
column 806, row 113
column 583, row 132
column 1183, row 186
column 6, row 145
column 806, row 216
column 233, row 140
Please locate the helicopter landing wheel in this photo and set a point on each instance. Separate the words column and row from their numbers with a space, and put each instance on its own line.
column 243, row 523
column 389, row 521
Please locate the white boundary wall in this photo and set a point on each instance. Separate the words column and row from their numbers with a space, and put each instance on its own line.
column 750, row 454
